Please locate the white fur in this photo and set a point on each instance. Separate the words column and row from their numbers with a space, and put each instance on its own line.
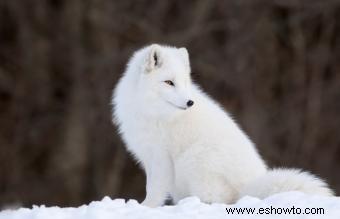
column 196, row 150
column 284, row 180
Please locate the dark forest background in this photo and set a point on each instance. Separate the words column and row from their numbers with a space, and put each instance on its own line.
column 273, row 64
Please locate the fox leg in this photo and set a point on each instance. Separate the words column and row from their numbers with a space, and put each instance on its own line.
column 159, row 179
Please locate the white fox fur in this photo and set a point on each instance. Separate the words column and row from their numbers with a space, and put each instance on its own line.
column 189, row 150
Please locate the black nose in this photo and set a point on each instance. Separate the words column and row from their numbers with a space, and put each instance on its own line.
column 190, row 103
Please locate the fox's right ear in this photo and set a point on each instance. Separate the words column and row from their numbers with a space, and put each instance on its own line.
column 184, row 52
column 154, row 58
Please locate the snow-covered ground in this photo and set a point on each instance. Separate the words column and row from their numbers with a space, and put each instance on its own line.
column 190, row 208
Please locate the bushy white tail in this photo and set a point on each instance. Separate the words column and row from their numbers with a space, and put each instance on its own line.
column 284, row 180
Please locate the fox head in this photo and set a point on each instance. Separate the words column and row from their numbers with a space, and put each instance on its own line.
column 164, row 83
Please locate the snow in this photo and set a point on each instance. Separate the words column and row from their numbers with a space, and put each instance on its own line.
column 190, row 207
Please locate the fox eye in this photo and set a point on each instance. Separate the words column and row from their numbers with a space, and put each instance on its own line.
column 169, row 83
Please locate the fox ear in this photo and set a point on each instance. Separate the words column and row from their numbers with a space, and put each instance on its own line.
column 185, row 56
column 154, row 58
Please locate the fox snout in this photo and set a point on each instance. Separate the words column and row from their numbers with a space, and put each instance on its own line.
column 190, row 103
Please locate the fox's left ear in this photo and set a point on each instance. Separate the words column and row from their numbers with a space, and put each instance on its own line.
column 185, row 56
column 154, row 58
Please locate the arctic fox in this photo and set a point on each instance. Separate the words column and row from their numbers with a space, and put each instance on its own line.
column 186, row 143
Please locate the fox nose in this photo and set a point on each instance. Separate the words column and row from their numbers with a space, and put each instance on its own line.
column 190, row 103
